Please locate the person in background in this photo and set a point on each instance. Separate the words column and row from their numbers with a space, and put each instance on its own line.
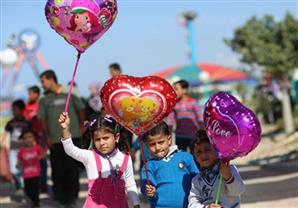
column 136, row 147
column 204, row 185
column 13, row 130
column 65, row 170
column 31, row 108
column 186, row 118
column 93, row 102
column 268, row 97
column 169, row 171
column 31, row 111
column 115, row 69
column 29, row 157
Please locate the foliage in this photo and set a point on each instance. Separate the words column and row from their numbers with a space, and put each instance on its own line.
column 267, row 43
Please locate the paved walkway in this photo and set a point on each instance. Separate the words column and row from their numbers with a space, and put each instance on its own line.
column 274, row 185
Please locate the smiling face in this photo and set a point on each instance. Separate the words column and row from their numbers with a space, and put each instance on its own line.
column 105, row 141
column 159, row 145
column 205, row 155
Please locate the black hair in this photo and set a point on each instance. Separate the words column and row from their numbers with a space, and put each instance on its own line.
column 200, row 137
column 26, row 131
column 34, row 89
column 107, row 123
column 49, row 74
column 115, row 66
column 20, row 104
column 161, row 128
column 74, row 84
column 183, row 83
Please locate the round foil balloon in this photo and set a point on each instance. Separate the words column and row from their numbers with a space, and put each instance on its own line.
column 233, row 129
column 138, row 103
column 81, row 22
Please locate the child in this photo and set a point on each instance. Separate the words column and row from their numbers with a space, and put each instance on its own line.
column 30, row 114
column 29, row 161
column 204, row 185
column 108, row 165
column 31, row 108
column 186, row 119
column 13, row 130
column 169, row 172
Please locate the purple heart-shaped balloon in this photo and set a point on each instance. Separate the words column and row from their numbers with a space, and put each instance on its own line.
column 233, row 129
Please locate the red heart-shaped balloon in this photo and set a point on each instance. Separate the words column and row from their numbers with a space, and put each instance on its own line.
column 138, row 103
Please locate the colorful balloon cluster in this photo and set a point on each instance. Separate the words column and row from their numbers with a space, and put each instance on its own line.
column 233, row 129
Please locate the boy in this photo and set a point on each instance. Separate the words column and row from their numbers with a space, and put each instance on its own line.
column 14, row 128
column 204, row 185
column 186, row 118
column 169, row 171
column 32, row 105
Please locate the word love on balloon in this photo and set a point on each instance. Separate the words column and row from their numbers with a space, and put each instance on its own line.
column 138, row 103
column 233, row 129
column 81, row 22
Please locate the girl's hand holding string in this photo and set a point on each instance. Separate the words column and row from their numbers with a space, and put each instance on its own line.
column 64, row 121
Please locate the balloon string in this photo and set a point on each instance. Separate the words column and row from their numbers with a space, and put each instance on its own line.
column 218, row 190
column 72, row 82
column 144, row 160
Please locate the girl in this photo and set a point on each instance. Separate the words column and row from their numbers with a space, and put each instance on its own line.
column 204, row 185
column 108, row 165
column 29, row 157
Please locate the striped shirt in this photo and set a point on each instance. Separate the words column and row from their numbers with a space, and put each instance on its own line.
column 187, row 117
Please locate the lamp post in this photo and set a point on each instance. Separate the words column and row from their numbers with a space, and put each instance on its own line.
column 185, row 19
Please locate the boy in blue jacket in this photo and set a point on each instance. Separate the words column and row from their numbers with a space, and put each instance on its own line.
column 170, row 171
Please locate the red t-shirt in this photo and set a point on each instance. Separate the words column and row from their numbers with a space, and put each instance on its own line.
column 31, row 110
column 30, row 160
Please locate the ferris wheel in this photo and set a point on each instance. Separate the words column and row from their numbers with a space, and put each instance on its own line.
column 20, row 48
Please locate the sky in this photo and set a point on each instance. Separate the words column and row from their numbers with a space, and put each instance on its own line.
column 145, row 37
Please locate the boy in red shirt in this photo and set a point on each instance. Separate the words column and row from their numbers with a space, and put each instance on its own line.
column 32, row 105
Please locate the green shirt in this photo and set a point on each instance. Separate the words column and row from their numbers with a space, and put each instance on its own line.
column 52, row 105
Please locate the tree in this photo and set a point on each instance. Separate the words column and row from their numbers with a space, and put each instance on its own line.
column 274, row 47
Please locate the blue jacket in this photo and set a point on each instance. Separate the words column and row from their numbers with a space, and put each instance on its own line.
column 171, row 176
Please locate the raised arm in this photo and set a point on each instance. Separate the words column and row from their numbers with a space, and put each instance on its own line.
column 69, row 148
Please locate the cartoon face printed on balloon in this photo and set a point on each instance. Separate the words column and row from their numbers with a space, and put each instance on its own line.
column 81, row 22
